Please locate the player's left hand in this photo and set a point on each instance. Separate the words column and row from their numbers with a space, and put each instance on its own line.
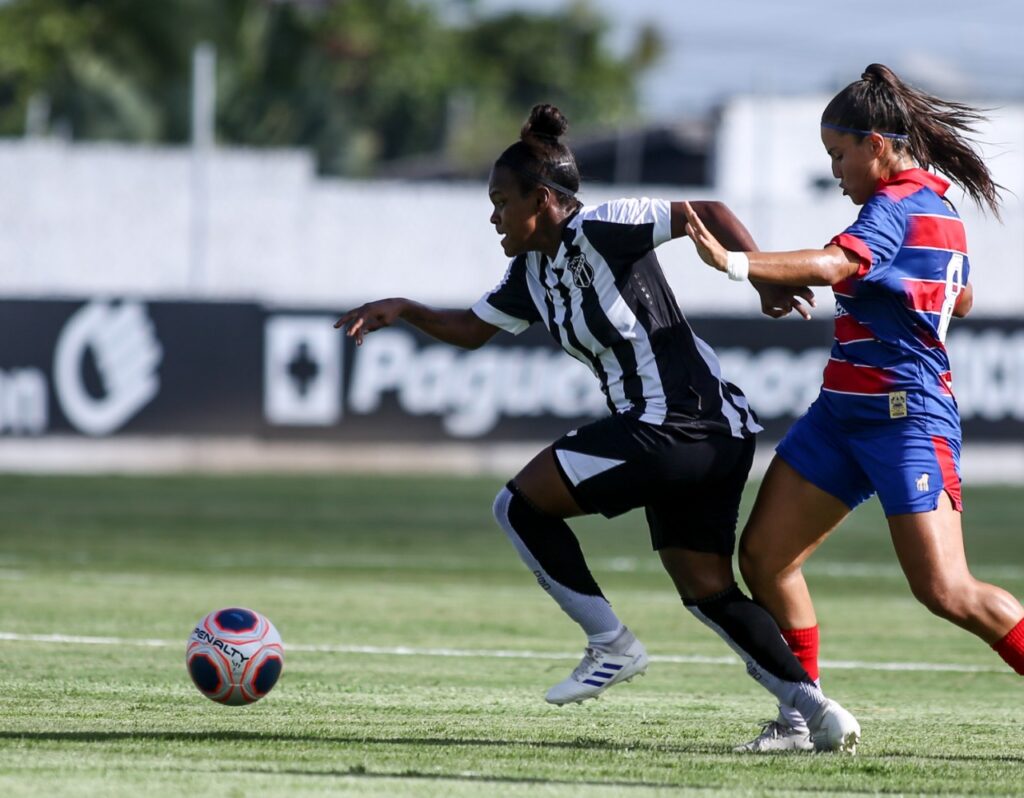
column 710, row 251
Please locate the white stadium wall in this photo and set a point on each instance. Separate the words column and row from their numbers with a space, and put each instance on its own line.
column 769, row 159
column 94, row 219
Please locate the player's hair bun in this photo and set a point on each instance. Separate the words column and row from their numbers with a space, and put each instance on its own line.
column 541, row 158
column 879, row 74
column 546, row 122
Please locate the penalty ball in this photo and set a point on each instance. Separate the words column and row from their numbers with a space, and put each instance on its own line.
column 234, row 656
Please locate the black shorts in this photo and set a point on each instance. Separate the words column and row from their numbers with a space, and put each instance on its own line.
column 690, row 487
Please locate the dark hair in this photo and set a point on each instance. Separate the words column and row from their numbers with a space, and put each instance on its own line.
column 931, row 129
column 540, row 158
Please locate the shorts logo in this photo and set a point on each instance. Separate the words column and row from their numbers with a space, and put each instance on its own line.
column 582, row 272
column 922, row 483
column 898, row 404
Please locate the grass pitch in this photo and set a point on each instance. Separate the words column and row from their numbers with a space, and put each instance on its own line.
column 418, row 650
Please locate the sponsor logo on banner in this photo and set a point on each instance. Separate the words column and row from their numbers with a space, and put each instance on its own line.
column 776, row 381
column 473, row 391
column 988, row 372
column 987, row 366
column 103, row 368
column 470, row 391
column 302, row 371
column 24, row 402
column 125, row 354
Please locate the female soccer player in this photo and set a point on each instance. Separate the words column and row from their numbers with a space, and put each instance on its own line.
column 885, row 420
column 679, row 441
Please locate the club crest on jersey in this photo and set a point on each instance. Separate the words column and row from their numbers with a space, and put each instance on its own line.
column 898, row 404
column 582, row 272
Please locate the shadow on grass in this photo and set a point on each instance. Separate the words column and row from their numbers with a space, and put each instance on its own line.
column 359, row 772
column 580, row 743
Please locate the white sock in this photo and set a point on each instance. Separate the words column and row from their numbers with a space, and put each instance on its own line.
column 607, row 640
column 791, row 715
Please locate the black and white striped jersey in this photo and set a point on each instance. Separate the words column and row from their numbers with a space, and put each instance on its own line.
column 605, row 299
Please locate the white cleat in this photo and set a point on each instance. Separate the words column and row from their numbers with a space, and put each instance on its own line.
column 597, row 671
column 776, row 735
column 834, row 729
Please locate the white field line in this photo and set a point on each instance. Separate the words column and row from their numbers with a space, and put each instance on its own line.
column 835, row 570
column 406, row 651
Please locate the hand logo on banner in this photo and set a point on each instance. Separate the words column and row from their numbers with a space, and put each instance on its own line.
column 126, row 353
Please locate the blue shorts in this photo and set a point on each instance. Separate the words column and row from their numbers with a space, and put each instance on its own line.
column 905, row 463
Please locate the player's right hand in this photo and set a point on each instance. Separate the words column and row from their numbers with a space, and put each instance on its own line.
column 708, row 247
column 781, row 300
column 369, row 317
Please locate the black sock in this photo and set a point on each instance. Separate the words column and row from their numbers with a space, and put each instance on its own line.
column 552, row 544
column 748, row 626
column 551, row 551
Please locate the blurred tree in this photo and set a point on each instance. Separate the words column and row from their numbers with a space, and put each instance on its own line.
column 359, row 81
column 515, row 60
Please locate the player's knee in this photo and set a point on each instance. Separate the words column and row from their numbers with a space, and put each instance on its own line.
column 755, row 562
column 944, row 597
column 764, row 571
column 747, row 563
column 697, row 575
column 511, row 504
column 501, row 504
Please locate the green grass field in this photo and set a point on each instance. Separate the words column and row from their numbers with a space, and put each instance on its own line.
column 410, row 590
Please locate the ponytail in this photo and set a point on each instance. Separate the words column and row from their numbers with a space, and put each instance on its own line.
column 935, row 132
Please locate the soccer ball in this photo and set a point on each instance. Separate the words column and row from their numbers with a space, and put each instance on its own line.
column 234, row 656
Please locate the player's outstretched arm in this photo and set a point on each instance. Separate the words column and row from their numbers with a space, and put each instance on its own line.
column 457, row 327
column 827, row 266
column 717, row 218
column 776, row 300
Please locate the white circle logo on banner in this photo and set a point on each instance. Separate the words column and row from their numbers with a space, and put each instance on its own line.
column 126, row 353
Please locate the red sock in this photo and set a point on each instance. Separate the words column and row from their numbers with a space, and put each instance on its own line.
column 1011, row 647
column 804, row 644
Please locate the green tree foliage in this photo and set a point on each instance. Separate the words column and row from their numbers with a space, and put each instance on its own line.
column 358, row 81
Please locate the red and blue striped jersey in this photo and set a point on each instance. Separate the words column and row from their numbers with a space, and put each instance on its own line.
column 888, row 360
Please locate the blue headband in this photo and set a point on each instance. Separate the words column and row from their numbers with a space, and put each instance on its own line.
column 841, row 129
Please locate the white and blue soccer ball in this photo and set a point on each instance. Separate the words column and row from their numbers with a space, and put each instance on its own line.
column 234, row 656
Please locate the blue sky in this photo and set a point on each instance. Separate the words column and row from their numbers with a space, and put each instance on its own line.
column 958, row 49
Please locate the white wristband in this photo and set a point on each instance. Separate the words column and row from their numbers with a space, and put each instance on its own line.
column 737, row 265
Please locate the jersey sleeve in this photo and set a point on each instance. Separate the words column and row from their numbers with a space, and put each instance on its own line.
column 509, row 306
column 629, row 228
column 876, row 236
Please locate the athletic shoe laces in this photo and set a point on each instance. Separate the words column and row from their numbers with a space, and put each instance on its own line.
column 772, row 728
column 587, row 664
